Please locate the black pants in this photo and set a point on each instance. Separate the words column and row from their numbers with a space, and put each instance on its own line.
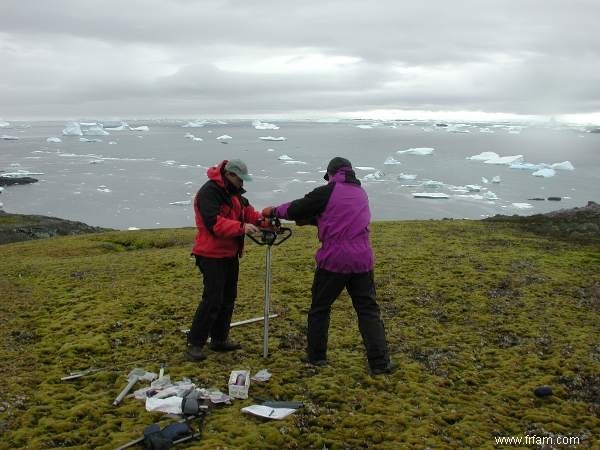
column 327, row 286
column 213, row 315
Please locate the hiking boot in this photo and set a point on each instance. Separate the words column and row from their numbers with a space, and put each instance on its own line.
column 385, row 370
column 225, row 346
column 313, row 362
column 195, row 353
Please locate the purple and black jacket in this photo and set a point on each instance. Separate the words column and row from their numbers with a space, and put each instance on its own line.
column 340, row 210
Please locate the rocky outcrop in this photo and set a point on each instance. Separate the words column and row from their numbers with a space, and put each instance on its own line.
column 574, row 223
column 19, row 227
column 9, row 181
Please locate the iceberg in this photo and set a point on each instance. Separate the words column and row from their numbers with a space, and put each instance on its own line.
column 527, row 166
column 181, row 203
column 224, row 137
column 496, row 179
column 422, row 151
column 6, row 137
column 197, row 139
column 54, row 139
column 489, row 195
column 285, row 158
column 122, row 127
column 4, row 124
column 364, row 127
column 264, row 125
column 194, row 124
column 545, row 173
column 365, row 168
column 140, row 128
column 72, row 129
column 82, row 139
column 407, row 176
column 565, row 165
column 505, row 160
column 19, row 174
column 390, row 161
column 293, row 161
column 484, row 156
column 94, row 130
column 189, row 136
column 522, row 205
column 375, row 176
column 486, row 130
column 430, row 195
column 272, row 138
column 432, row 184
column 473, row 187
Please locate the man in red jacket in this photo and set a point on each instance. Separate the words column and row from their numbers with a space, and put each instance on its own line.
column 223, row 217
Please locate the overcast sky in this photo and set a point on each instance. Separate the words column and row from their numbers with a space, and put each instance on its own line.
column 210, row 59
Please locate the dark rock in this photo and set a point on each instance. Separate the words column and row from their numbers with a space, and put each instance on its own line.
column 19, row 227
column 9, row 181
column 543, row 391
column 594, row 130
column 539, row 199
column 555, row 199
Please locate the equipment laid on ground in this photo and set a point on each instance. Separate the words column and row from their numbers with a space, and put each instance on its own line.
column 75, row 375
column 134, row 376
column 275, row 234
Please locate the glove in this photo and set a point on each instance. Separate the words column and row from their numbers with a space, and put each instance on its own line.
column 265, row 223
column 269, row 211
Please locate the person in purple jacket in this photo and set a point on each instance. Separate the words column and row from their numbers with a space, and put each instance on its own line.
column 340, row 210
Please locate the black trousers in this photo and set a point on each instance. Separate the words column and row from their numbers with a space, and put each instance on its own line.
column 327, row 286
column 213, row 315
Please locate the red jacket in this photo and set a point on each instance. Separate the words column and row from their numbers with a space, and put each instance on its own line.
column 220, row 216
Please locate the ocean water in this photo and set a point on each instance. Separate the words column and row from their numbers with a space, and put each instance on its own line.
column 146, row 179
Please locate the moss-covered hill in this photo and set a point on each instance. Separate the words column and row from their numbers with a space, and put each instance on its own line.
column 478, row 314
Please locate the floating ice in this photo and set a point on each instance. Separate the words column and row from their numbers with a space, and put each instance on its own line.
column 122, row 127
column 112, row 143
column 515, row 130
column 421, row 151
column 496, row 179
column 473, row 187
column 6, row 137
column 19, row 174
column 432, row 184
column 458, row 128
column 140, row 128
column 522, row 205
column 224, row 137
column 189, row 136
column 54, row 139
column 489, row 195
column 294, row 162
column 390, row 161
column 72, row 129
column 271, row 138
column 285, row 158
column 375, row 176
column 364, row 127
column 565, row 165
column 195, row 124
column 103, row 189
column 407, row 176
column 4, row 124
column 486, row 130
column 527, row 166
column 181, row 203
column 89, row 140
column 270, row 149
column 473, row 196
column 264, row 125
column 484, row 156
column 505, row 160
column 94, row 130
column 365, row 168
column 545, row 173
column 430, row 195
column 197, row 139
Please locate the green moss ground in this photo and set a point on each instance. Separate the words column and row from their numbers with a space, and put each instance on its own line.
column 477, row 315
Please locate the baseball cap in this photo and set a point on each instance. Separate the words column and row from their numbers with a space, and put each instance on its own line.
column 238, row 167
column 335, row 164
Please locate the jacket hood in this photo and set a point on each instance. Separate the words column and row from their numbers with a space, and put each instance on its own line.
column 215, row 174
column 344, row 175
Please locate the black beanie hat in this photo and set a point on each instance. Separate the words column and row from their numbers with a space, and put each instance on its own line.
column 335, row 164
